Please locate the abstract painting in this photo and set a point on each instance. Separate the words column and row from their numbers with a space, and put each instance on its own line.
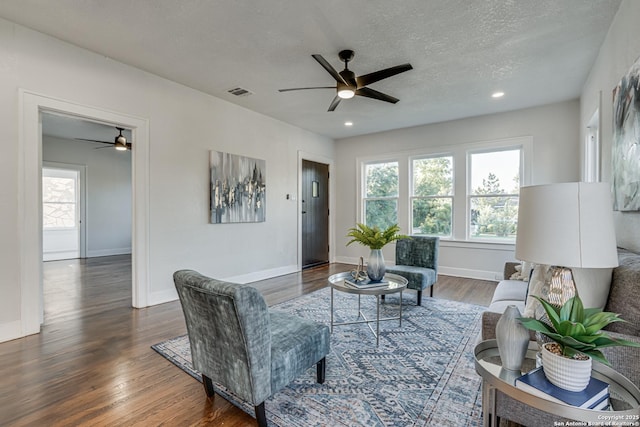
column 238, row 191
column 626, row 138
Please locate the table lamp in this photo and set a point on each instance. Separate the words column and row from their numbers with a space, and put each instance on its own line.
column 566, row 225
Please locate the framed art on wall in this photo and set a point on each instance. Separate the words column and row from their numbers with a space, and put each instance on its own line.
column 238, row 189
column 626, row 138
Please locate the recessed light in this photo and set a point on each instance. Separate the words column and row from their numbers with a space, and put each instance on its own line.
column 348, row 123
column 497, row 94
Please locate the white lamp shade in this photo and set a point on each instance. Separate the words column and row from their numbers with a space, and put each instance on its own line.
column 567, row 224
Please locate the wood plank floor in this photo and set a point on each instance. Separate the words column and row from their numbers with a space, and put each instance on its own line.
column 92, row 363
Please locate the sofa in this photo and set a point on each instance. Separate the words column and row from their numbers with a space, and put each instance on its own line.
column 623, row 299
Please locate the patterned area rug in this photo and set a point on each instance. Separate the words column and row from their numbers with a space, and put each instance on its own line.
column 422, row 374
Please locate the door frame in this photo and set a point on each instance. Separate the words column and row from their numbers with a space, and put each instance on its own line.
column 82, row 195
column 302, row 155
column 31, row 106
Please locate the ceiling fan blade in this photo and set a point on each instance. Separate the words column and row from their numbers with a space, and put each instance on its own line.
column 93, row 140
column 374, row 94
column 329, row 68
column 305, row 88
column 334, row 103
column 367, row 79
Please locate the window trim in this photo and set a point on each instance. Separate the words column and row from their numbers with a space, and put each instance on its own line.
column 459, row 210
column 362, row 190
column 469, row 196
column 451, row 196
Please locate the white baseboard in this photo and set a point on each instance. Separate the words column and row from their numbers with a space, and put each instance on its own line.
column 447, row 271
column 470, row 274
column 59, row 255
column 10, row 330
column 162, row 297
column 108, row 252
column 169, row 295
column 263, row 274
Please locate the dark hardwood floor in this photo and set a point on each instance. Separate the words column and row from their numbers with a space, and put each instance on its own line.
column 92, row 363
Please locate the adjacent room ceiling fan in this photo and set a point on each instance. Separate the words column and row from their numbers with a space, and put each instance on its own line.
column 348, row 85
column 120, row 142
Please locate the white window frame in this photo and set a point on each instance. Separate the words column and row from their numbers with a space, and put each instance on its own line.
column 413, row 197
column 460, row 209
column 469, row 191
column 363, row 188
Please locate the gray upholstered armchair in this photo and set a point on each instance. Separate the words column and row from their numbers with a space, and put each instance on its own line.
column 417, row 261
column 236, row 341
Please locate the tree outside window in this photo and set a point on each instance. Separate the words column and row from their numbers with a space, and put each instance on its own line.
column 494, row 194
column 381, row 194
column 432, row 196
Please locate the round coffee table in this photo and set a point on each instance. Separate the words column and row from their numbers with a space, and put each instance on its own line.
column 623, row 393
column 395, row 283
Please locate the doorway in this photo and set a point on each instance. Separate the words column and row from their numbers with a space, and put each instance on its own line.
column 62, row 211
column 30, row 200
column 315, row 213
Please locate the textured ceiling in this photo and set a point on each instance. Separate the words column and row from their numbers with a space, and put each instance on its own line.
column 537, row 52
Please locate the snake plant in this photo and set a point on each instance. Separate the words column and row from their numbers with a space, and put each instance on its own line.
column 577, row 329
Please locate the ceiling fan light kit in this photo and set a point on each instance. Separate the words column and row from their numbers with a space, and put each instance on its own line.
column 348, row 85
column 120, row 142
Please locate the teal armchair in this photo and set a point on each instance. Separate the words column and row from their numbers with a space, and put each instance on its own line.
column 236, row 341
column 417, row 261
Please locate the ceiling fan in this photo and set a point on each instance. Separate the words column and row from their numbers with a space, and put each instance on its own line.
column 348, row 85
column 120, row 142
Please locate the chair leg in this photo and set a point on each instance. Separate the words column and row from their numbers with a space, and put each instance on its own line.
column 261, row 417
column 321, row 367
column 419, row 298
column 431, row 291
column 208, row 386
column 382, row 297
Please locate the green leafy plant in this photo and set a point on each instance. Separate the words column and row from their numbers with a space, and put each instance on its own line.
column 373, row 237
column 577, row 329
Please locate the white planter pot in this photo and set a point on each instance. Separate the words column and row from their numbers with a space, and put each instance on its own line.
column 568, row 374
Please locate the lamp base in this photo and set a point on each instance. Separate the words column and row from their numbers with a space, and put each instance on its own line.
column 559, row 286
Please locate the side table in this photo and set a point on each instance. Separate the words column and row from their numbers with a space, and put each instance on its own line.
column 624, row 395
column 396, row 283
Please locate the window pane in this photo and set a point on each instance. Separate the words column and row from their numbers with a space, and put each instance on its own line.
column 432, row 216
column 496, row 172
column 382, row 180
column 494, row 217
column 381, row 213
column 58, row 215
column 58, row 189
column 433, row 176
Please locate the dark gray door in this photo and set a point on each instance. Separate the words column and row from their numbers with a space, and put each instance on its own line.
column 315, row 213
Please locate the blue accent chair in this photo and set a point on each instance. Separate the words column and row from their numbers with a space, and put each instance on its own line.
column 417, row 261
column 236, row 341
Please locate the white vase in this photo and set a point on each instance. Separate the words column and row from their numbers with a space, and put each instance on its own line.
column 375, row 266
column 512, row 339
column 568, row 374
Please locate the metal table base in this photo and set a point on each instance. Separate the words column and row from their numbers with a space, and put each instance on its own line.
column 377, row 320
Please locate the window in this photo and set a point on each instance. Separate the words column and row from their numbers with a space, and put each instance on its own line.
column 432, row 196
column 381, row 194
column 494, row 193
column 59, row 198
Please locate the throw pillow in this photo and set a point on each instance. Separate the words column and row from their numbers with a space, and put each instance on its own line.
column 523, row 271
column 535, row 288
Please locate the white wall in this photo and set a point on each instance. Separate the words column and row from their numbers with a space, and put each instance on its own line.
column 108, row 191
column 184, row 125
column 555, row 158
column 619, row 51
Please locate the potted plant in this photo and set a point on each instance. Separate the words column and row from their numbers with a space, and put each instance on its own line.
column 375, row 239
column 577, row 338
